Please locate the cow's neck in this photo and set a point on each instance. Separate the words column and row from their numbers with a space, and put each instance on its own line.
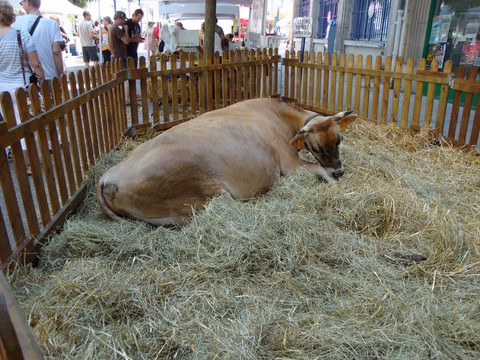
column 295, row 118
column 299, row 120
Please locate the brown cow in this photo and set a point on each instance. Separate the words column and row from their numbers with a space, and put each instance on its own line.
column 238, row 151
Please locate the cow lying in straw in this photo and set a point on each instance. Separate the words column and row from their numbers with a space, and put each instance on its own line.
column 238, row 151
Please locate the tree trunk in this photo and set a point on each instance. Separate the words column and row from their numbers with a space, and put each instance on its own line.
column 210, row 22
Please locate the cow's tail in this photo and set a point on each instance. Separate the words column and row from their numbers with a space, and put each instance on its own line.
column 103, row 201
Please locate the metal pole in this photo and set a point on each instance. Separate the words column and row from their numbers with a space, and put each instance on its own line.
column 302, row 49
column 100, row 33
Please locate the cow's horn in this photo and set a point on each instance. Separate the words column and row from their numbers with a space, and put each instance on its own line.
column 305, row 129
column 343, row 114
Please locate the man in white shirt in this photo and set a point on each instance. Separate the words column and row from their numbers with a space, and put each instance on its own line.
column 46, row 35
column 87, row 35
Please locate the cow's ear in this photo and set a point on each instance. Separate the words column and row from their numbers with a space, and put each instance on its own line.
column 345, row 121
column 298, row 141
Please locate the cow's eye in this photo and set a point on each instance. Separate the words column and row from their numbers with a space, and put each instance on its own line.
column 339, row 140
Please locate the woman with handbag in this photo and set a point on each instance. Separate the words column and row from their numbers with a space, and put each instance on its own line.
column 19, row 56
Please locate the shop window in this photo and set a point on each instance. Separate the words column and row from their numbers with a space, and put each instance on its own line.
column 328, row 10
column 370, row 20
column 455, row 35
column 304, row 8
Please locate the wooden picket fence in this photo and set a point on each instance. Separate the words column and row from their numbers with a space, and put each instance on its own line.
column 194, row 86
column 69, row 125
column 405, row 95
column 66, row 130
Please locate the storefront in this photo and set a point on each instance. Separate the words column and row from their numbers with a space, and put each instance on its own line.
column 454, row 33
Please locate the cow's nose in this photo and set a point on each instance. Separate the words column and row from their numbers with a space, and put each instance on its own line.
column 338, row 173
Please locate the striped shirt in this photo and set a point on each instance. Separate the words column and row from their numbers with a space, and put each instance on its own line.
column 10, row 62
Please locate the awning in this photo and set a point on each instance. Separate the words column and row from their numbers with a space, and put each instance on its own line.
column 179, row 10
column 286, row 21
column 60, row 7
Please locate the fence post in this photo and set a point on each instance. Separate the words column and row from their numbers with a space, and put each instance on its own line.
column 443, row 99
column 386, row 91
column 467, row 107
column 350, row 65
column 132, row 92
column 430, row 97
column 407, row 92
column 358, row 85
column 367, row 87
column 397, row 82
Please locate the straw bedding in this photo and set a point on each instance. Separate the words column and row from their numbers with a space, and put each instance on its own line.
column 386, row 264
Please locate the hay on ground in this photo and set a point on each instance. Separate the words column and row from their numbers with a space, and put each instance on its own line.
column 386, row 264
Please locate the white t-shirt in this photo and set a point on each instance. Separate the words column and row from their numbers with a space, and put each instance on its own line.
column 46, row 33
column 217, row 44
column 85, row 30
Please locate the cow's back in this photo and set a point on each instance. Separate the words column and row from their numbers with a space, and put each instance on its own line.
column 229, row 151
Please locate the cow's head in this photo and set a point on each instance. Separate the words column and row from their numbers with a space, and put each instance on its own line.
column 321, row 136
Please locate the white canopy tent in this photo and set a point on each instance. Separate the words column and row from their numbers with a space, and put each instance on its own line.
column 57, row 7
column 181, row 10
column 60, row 7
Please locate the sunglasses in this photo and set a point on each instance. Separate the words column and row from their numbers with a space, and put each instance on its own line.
column 21, row 3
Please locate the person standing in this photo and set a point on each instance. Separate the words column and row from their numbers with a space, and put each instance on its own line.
column 218, row 29
column 106, row 23
column 66, row 39
column 118, row 38
column 226, row 40
column 19, row 56
column 87, row 35
column 149, row 39
column 134, row 33
column 46, row 36
column 159, row 43
column 201, row 40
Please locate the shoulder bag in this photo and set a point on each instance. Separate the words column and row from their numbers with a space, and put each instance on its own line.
column 33, row 79
column 24, row 59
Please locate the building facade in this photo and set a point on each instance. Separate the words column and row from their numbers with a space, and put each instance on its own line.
column 454, row 33
column 446, row 30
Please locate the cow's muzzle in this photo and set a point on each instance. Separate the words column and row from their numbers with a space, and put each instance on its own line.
column 338, row 173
